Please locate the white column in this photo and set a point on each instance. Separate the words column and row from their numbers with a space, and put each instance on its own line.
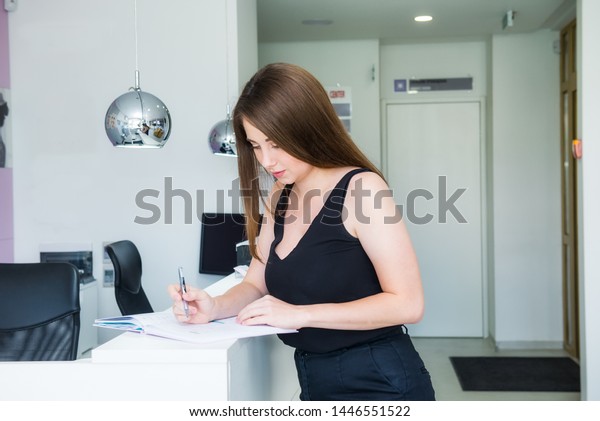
column 588, row 15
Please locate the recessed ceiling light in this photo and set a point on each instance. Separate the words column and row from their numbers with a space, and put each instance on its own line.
column 317, row 22
column 423, row 18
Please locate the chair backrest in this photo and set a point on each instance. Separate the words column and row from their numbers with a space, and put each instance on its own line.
column 39, row 311
column 129, row 293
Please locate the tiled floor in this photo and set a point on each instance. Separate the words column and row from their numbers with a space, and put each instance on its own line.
column 435, row 352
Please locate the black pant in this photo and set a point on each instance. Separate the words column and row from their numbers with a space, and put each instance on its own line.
column 382, row 370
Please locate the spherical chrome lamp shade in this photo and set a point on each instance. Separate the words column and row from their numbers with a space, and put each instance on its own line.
column 221, row 139
column 138, row 119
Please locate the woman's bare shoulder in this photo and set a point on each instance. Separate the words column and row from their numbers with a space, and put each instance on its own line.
column 369, row 181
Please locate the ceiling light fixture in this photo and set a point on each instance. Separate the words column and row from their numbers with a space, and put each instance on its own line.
column 508, row 20
column 221, row 137
column 137, row 119
column 424, row 18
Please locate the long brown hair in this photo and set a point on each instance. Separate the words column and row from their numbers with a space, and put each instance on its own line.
column 290, row 107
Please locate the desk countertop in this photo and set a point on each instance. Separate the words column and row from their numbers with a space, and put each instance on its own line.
column 139, row 348
column 135, row 367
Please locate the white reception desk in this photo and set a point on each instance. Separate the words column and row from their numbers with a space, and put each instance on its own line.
column 141, row 367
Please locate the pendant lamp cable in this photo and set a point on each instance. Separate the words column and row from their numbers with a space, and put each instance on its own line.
column 137, row 119
column 135, row 30
column 228, row 76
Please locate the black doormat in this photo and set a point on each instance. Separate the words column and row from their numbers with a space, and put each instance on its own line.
column 517, row 374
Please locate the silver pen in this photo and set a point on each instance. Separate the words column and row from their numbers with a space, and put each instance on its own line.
column 183, row 291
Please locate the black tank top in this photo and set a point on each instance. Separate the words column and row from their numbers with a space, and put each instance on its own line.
column 328, row 265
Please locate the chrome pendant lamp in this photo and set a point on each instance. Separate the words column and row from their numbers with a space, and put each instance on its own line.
column 221, row 137
column 137, row 119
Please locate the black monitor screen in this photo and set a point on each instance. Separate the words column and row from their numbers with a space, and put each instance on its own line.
column 82, row 260
column 220, row 233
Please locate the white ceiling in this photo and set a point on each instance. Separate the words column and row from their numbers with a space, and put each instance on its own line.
column 391, row 21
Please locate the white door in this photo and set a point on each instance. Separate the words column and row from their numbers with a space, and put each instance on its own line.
column 433, row 165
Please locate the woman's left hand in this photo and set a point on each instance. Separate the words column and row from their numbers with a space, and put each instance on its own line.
column 271, row 311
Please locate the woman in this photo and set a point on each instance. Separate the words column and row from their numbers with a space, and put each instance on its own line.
column 333, row 259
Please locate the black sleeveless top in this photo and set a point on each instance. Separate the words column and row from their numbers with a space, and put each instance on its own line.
column 328, row 265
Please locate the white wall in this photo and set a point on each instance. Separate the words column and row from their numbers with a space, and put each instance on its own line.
column 437, row 60
column 588, row 14
column 526, row 177
column 69, row 60
column 349, row 64
column 247, row 42
column 519, row 77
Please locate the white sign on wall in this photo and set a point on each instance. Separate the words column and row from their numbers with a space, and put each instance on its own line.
column 341, row 98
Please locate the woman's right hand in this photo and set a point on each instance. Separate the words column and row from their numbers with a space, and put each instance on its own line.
column 200, row 304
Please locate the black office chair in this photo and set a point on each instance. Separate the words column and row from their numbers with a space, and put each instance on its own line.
column 129, row 293
column 39, row 311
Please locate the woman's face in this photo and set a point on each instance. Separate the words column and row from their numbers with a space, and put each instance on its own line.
column 275, row 160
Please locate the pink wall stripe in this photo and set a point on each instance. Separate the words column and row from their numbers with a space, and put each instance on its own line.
column 4, row 61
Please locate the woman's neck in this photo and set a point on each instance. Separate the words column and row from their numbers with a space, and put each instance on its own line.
column 319, row 180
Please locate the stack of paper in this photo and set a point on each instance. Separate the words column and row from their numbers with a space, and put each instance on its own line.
column 165, row 325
